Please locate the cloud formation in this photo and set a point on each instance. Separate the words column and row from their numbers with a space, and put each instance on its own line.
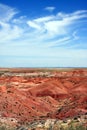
column 52, row 28
column 50, row 8
column 49, row 36
column 6, row 13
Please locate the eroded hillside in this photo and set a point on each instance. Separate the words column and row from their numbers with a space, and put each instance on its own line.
column 27, row 95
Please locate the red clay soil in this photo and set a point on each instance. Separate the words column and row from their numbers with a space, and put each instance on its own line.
column 60, row 94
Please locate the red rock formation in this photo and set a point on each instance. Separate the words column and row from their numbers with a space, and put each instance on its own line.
column 57, row 95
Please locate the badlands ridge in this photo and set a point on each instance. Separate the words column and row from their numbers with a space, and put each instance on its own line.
column 38, row 94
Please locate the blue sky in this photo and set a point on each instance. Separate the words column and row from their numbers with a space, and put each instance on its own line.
column 43, row 33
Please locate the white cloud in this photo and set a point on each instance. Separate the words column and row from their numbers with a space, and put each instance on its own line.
column 50, row 8
column 8, row 31
column 33, row 24
column 56, row 27
column 59, row 24
column 44, row 19
column 6, row 12
column 76, row 37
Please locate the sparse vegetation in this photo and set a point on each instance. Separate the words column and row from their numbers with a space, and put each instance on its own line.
column 6, row 128
column 72, row 127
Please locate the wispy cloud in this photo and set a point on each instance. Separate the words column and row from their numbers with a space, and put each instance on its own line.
column 7, row 13
column 56, row 26
column 50, row 35
column 50, row 8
